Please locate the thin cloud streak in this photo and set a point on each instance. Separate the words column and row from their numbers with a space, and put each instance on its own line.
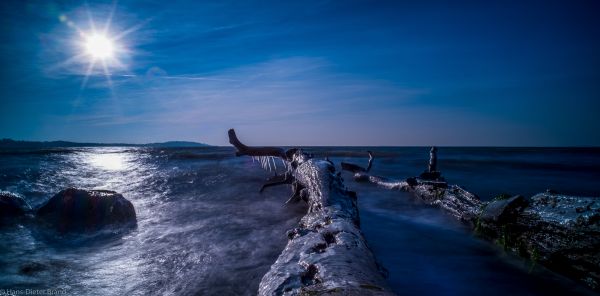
column 278, row 88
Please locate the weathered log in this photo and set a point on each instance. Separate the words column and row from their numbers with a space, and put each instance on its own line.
column 326, row 253
column 560, row 232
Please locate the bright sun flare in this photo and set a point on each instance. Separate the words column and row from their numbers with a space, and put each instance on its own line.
column 99, row 47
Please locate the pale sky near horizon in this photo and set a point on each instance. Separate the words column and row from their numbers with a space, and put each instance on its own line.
column 459, row 73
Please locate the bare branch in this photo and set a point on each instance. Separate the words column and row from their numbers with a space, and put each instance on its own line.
column 255, row 151
column 278, row 180
column 356, row 168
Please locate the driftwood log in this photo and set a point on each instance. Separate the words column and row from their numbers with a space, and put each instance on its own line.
column 327, row 253
column 557, row 231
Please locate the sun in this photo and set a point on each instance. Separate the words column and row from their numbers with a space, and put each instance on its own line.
column 99, row 50
column 100, row 47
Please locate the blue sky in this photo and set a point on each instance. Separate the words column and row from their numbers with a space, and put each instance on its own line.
column 514, row 73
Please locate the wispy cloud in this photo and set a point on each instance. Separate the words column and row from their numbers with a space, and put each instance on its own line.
column 292, row 101
column 275, row 93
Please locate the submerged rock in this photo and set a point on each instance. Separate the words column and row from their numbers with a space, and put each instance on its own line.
column 77, row 210
column 32, row 268
column 12, row 206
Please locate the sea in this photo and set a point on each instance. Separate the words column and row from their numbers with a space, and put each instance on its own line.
column 204, row 229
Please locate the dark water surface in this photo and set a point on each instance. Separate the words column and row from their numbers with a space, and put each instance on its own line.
column 204, row 229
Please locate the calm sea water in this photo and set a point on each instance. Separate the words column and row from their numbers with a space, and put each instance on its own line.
column 204, row 229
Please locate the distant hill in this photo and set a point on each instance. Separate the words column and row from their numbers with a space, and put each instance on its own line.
column 176, row 144
column 9, row 143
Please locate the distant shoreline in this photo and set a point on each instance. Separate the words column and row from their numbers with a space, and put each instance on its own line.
column 9, row 143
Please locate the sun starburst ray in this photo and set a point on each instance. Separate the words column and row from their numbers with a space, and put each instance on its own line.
column 90, row 18
column 110, row 17
column 130, row 30
column 106, row 74
column 72, row 60
column 88, row 72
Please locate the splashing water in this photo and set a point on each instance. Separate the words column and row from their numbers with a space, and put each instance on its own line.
column 203, row 228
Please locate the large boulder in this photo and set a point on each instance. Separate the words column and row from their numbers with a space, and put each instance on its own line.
column 77, row 210
column 12, row 206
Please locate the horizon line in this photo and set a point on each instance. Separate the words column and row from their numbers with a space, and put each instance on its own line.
column 307, row 146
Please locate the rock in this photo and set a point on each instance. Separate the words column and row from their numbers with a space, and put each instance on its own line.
column 571, row 211
column 432, row 160
column 504, row 209
column 12, row 205
column 412, row 181
column 430, row 175
column 558, row 231
column 32, row 268
column 77, row 210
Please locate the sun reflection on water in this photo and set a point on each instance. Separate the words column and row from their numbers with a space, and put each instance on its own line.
column 108, row 161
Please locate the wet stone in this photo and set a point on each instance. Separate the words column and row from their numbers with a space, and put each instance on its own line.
column 12, row 206
column 503, row 209
column 77, row 210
